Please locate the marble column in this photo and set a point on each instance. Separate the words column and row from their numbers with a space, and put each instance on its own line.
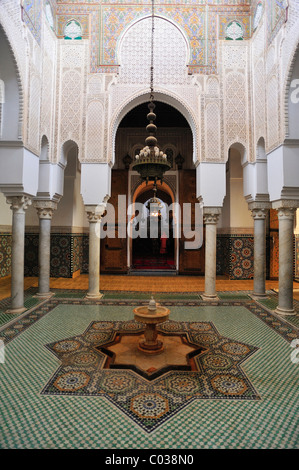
column 211, row 217
column 94, row 218
column 18, row 205
column 45, row 212
column 286, row 228
column 259, row 213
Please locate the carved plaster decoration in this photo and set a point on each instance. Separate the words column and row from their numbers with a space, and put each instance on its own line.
column 286, row 213
column 45, row 209
column 211, row 215
column 19, row 203
column 95, row 213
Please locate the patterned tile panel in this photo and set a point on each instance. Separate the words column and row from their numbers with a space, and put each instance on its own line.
column 235, row 256
column 5, row 254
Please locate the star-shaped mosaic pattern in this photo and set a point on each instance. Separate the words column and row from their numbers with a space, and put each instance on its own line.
column 214, row 371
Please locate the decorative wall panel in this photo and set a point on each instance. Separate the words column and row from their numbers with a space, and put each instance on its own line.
column 213, row 132
column 170, row 54
column 5, row 254
column 94, row 132
column 235, row 108
column 69, row 253
column 34, row 113
column 259, row 101
column 272, row 112
column 32, row 10
column 276, row 16
column 235, row 256
column 201, row 23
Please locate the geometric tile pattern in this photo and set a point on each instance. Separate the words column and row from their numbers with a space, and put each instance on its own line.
column 30, row 420
column 287, row 330
column 69, row 253
column 218, row 374
column 235, row 256
column 5, row 254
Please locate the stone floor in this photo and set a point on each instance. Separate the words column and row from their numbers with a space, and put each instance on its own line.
column 144, row 283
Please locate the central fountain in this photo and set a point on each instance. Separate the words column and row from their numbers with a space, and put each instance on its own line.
column 151, row 315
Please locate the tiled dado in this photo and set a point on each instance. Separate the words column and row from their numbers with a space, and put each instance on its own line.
column 235, row 256
column 69, row 254
column 5, row 254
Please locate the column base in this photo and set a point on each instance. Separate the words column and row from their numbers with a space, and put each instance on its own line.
column 209, row 296
column 258, row 296
column 43, row 295
column 284, row 311
column 16, row 311
column 93, row 296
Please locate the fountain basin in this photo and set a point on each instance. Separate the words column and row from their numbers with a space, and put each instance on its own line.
column 151, row 317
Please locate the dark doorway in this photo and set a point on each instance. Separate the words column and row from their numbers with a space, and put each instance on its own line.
column 156, row 251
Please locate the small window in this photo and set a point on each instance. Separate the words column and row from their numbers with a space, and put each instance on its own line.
column 234, row 31
column 73, row 30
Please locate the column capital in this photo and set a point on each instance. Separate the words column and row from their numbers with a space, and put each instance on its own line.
column 95, row 212
column 19, row 203
column 45, row 208
column 286, row 213
column 259, row 213
column 211, row 215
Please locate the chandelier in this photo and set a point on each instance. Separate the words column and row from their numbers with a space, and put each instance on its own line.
column 151, row 163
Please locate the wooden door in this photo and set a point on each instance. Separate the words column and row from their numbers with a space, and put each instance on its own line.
column 190, row 261
column 114, row 250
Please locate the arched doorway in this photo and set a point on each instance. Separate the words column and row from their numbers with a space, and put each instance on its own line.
column 154, row 247
column 176, row 139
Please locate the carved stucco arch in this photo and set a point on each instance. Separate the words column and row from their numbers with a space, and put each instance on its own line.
column 241, row 148
column 65, row 149
column 260, row 148
column 137, row 20
column 4, row 25
column 143, row 97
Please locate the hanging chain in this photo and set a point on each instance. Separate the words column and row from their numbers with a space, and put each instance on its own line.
column 152, row 55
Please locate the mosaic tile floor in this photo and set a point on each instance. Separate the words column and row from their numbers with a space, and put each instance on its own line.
column 31, row 419
column 217, row 372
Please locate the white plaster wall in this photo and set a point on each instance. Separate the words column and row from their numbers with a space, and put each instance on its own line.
column 70, row 213
column 240, row 216
column 79, row 214
column 10, row 107
column 5, row 212
column 31, row 217
column 235, row 212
